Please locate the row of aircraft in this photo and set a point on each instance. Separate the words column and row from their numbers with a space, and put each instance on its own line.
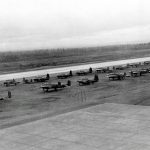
column 84, row 81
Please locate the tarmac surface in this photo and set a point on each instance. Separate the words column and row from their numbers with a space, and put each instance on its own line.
column 73, row 68
column 107, row 126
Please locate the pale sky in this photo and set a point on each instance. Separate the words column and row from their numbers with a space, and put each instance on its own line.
column 36, row 24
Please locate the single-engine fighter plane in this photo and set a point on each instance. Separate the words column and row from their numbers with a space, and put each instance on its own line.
column 148, row 69
column 135, row 73
column 52, row 86
column 116, row 76
column 119, row 67
column 83, row 73
column 146, row 62
column 139, row 72
column 27, row 81
column 64, row 76
column 144, row 71
column 133, row 65
column 10, row 82
column 86, row 81
column 104, row 70
column 40, row 79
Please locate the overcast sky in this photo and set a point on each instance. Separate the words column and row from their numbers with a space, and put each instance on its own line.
column 33, row 24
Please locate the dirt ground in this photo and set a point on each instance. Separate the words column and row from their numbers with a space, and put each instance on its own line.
column 29, row 101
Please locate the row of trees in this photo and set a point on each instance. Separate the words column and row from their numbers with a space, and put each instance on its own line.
column 58, row 53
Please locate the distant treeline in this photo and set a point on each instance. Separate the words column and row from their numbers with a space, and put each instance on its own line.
column 25, row 60
column 39, row 54
column 61, row 53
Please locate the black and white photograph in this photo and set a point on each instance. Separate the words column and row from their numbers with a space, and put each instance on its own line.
column 74, row 75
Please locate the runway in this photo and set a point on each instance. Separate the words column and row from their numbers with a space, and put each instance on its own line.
column 73, row 68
